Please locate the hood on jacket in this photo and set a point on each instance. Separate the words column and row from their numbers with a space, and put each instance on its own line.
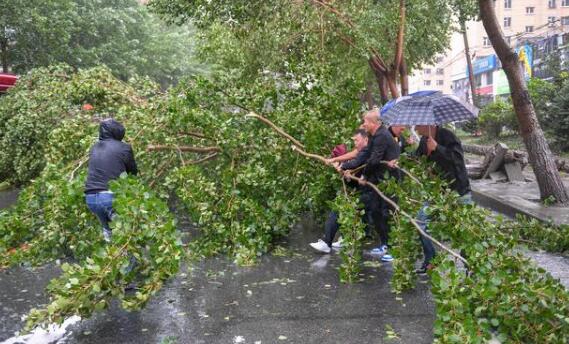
column 111, row 129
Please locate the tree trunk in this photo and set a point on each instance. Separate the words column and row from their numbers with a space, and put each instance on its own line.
column 369, row 94
column 382, row 83
column 469, row 64
column 540, row 157
column 404, row 78
column 380, row 79
column 4, row 53
column 392, row 84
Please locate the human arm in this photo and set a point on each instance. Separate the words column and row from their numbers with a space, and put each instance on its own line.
column 449, row 150
column 130, row 163
column 344, row 157
column 360, row 159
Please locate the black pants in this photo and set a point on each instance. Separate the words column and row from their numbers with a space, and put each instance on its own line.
column 331, row 227
column 377, row 214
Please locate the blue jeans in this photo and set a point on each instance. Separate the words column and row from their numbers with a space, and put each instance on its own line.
column 101, row 204
column 423, row 220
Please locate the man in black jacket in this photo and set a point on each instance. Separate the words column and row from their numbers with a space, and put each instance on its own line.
column 380, row 158
column 107, row 160
column 441, row 146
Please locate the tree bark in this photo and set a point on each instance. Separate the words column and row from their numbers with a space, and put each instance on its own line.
column 369, row 94
column 404, row 78
column 392, row 84
column 380, row 79
column 540, row 157
column 4, row 52
column 469, row 64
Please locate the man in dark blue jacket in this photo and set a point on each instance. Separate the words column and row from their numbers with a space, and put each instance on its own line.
column 108, row 158
column 380, row 159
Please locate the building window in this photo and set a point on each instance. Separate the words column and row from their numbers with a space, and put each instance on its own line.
column 485, row 42
column 551, row 21
column 507, row 3
column 440, row 71
column 564, row 3
column 440, row 82
column 489, row 80
column 530, row 10
column 565, row 21
column 478, row 80
column 427, row 71
column 439, row 59
column 427, row 82
column 551, row 4
column 529, row 28
column 507, row 21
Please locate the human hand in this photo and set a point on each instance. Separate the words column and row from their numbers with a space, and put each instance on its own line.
column 329, row 161
column 411, row 140
column 431, row 145
column 337, row 166
column 392, row 163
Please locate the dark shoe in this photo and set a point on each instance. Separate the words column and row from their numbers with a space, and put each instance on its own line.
column 130, row 287
column 424, row 269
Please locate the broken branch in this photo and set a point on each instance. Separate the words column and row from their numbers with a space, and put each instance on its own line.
column 183, row 148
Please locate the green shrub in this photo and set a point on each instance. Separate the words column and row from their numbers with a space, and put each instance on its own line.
column 559, row 117
column 496, row 116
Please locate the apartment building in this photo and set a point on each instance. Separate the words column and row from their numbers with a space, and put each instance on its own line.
column 535, row 28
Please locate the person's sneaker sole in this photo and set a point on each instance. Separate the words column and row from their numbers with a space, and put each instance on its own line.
column 320, row 250
column 386, row 259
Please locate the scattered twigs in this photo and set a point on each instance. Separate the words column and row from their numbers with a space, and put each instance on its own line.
column 195, row 134
column 279, row 130
column 81, row 162
column 365, row 182
column 204, row 159
column 161, row 170
column 183, row 148
column 357, row 169
column 180, row 155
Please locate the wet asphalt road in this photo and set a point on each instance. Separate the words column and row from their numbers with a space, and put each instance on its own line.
column 295, row 297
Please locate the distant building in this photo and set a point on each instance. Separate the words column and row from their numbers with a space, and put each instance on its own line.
column 537, row 29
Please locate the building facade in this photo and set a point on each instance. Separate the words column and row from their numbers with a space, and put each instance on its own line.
column 537, row 29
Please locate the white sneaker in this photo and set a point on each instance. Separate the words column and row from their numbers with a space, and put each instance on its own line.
column 107, row 235
column 321, row 246
column 338, row 244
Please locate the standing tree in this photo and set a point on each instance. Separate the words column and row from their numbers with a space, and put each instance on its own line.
column 384, row 38
column 540, row 157
column 122, row 35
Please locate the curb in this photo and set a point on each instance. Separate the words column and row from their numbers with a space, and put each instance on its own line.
column 488, row 201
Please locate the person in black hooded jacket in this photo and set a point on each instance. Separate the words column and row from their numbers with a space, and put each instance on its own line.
column 108, row 159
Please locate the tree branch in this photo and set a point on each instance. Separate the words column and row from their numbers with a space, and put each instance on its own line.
column 277, row 129
column 400, row 36
column 193, row 149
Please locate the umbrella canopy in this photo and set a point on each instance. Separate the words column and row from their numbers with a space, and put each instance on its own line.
column 392, row 102
column 428, row 109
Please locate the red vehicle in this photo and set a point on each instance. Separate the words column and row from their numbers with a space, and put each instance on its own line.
column 7, row 81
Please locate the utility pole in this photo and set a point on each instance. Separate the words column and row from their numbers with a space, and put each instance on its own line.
column 469, row 64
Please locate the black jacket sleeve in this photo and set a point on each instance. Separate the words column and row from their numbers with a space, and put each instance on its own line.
column 130, row 163
column 359, row 160
column 450, row 151
column 377, row 153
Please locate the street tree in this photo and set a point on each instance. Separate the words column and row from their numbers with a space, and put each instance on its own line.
column 384, row 38
column 540, row 157
column 120, row 34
